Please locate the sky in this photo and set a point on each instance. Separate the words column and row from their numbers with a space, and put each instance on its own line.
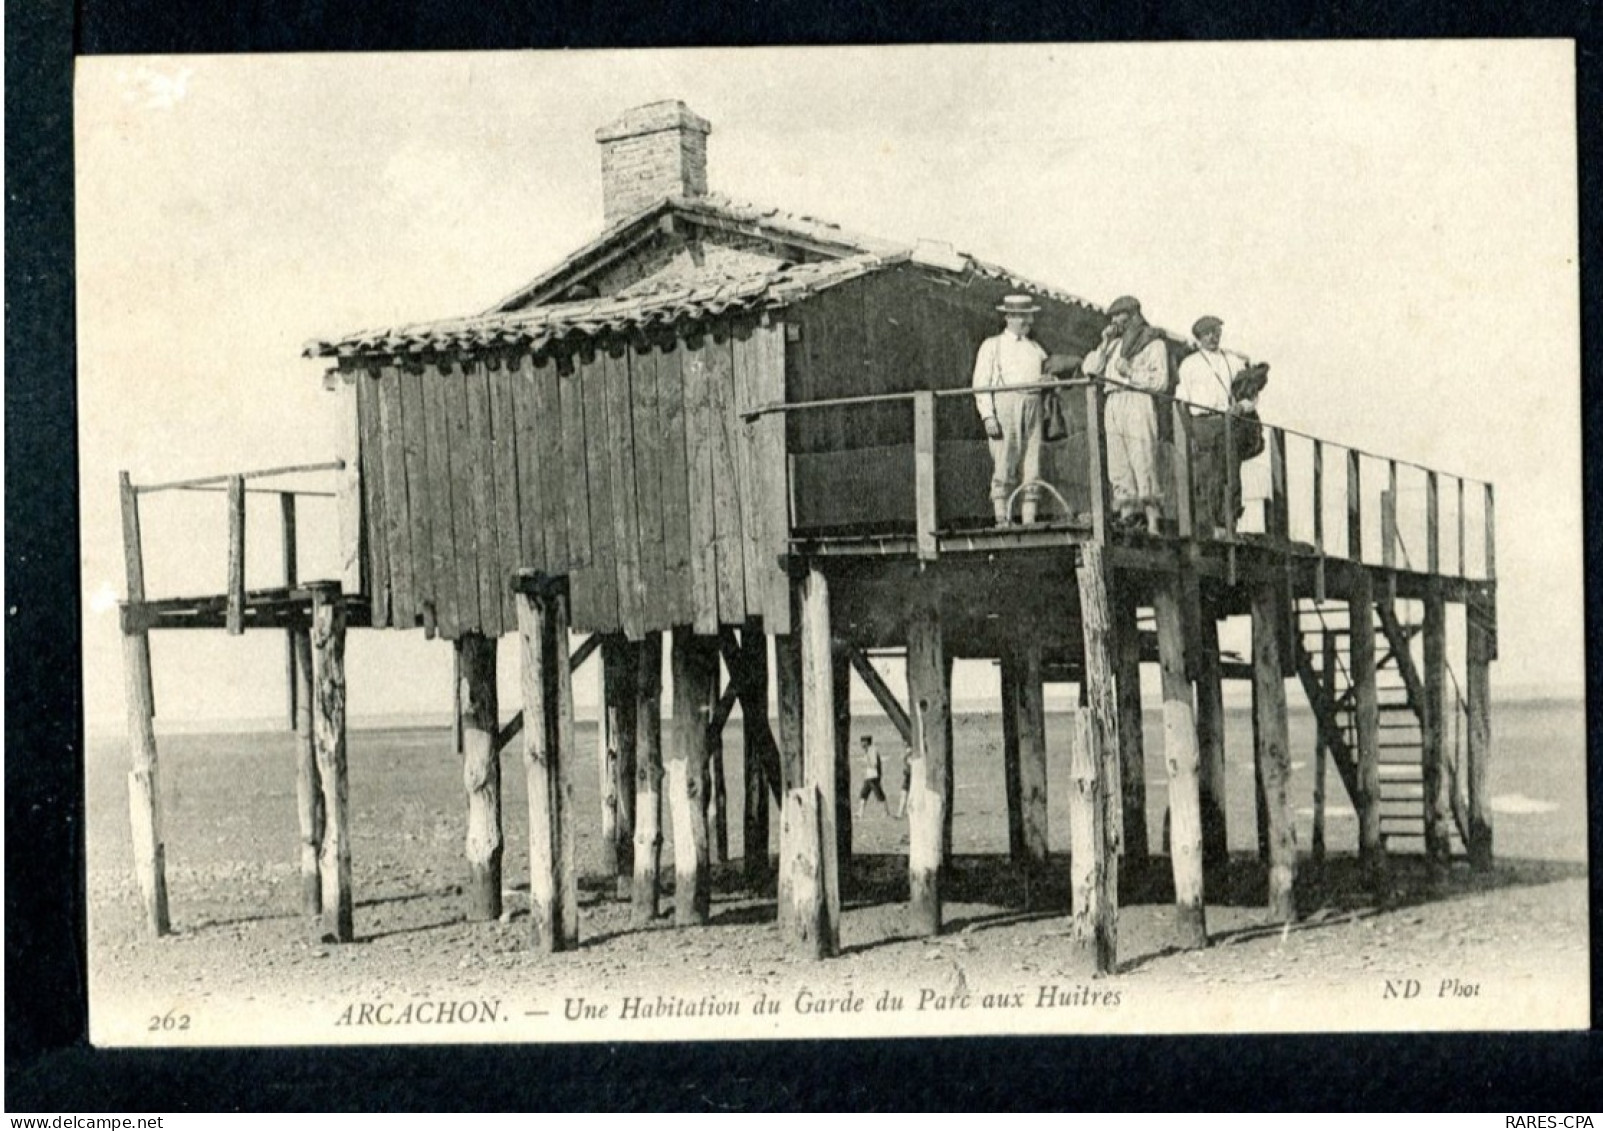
column 1392, row 225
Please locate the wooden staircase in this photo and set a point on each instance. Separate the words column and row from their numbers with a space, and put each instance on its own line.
column 1324, row 665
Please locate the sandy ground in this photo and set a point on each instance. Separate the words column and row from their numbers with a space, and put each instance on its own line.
column 1506, row 949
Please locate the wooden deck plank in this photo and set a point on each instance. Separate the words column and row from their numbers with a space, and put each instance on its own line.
column 509, row 526
column 649, row 488
column 768, row 529
column 675, row 486
column 378, row 567
column 618, row 389
column 547, row 422
column 699, row 463
column 746, row 363
column 442, row 516
column 601, row 579
column 420, row 511
column 728, row 536
column 481, row 453
column 463, row 501
column 392, row 455
column 531, row 487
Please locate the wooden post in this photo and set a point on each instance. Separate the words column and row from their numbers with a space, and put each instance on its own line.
column 1274, row 747
column 1438, row 801
column 803, row 910
column 1096, row 449
column 1210, row 738
column 820, row 753
column 1132, row 743
column 1184, row 502
column 1180, row 757
column 144, row 793
column 456, row 700
column 286, row 503
column 717, row 796
column 648, row 783
column 1491, row 537
column 1095, row 922
column 607, row 726
column 1009, row 674
column 1327, row 676
column 1388, row 529
column 308, row 782
column 788, row 678
column 1032, row 754
column 626, row 692
column 1480, row 623
column 924, row 473
column 840, row 695
column 328, row 724
column 1232, row 486
column 694, row 661
column 1371, row 844
column 481, row 774
column 236, row 555
column 753, row 682
column 1260, row 807
column 548, row 754
column 1355, row 508
column 1279, row 524
column 1433, row 533
column 1100, row 692
column 929, row 698
column 1463, row 568
column 1319, row 505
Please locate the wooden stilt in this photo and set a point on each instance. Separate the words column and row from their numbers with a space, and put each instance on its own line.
column 820, row 752
column 612, row 660
column 144, row 792
column 841, row 696
column 236, row 555
column 328, row 723
column 695, row 679
column 548, row 754
column 788, row 680
column 648, row 783
column 1260, row 807
column 1101, row 693
column 1180, row 757
column 1322, row 751
column 949, row 808
column 1008, row 672
column 1274, row 749
column 1211, row 739
column 456, row 701
column 929, row 699
column 717, row 792
column 1095, row 916
column 753, row 681
column 481, row 774
column 626, row 688
column 1132, row 745
column 1371, row 844
column 308, row 782
column 803, row 911
column 292, row 684
column 1032, row 755
column 1480, row 618
column 1438, row 801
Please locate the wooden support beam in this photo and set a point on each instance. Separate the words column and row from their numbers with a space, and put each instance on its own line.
column 1132, row 743
column 1099, row 689
column 481, row 775
column 1210, row 737
column 456, row 705
column 1274, row 749
column 1095, row 922
column 1355, row 508
column 582, row 653
column 1232, row 487
column 648, row 784
column 1388, row 529
column 144, row 793
column 929, row 696
column 310, row 816
column 753, row 705
column 626, row 691
column 549, row 752
column 819, row 751
column 1096, row 450
column 286, row 503
column 1491, row 540
column 328, row 725
column 1324, row 726
column 1008, row 673
column 1180, row 758
column 1278, row 523
column 1437, row 799
column 1184, row 500
column 1366, row 712
column 840, row 696
column 751, row 677
column 1433, row 533
column 804, row 906
column 236, row 555
column 1319, row 509
column 788, row 681
column 1480, row 620
column 694, row 662
column 514, row 725
column 1031, row 727
column 717, row 786
column 607, row 725
column 721, row 711
column 883, row 695
column 924, row 508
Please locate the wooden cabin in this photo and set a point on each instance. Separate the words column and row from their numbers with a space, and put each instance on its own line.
column 726, row 423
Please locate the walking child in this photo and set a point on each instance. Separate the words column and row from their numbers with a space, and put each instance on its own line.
column 871, row 774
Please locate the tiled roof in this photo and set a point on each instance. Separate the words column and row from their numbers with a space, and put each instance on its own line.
column 679, row 299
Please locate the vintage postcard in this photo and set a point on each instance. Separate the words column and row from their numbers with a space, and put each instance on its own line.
column 731, row 544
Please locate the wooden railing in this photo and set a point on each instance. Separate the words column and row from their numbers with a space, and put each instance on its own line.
column 1337, row 500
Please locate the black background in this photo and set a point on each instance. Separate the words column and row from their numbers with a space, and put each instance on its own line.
column 49, row 1065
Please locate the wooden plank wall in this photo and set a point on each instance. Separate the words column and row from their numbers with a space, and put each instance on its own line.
column 628, row 468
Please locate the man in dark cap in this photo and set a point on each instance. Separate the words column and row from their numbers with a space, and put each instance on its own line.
column 1135, row 359
column 1012, row 420
column 1205, row 380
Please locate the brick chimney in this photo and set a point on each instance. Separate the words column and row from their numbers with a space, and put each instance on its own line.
column 653, row 151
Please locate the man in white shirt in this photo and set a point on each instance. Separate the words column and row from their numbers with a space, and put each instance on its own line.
column 1012, row 420
column 1205, row 379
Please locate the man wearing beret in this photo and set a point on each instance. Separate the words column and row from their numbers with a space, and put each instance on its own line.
column 1012, row 420
column 1135, row 359
column 1206, row 377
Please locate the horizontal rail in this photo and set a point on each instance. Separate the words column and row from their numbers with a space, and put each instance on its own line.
column 222, row 490
column 264, row 473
